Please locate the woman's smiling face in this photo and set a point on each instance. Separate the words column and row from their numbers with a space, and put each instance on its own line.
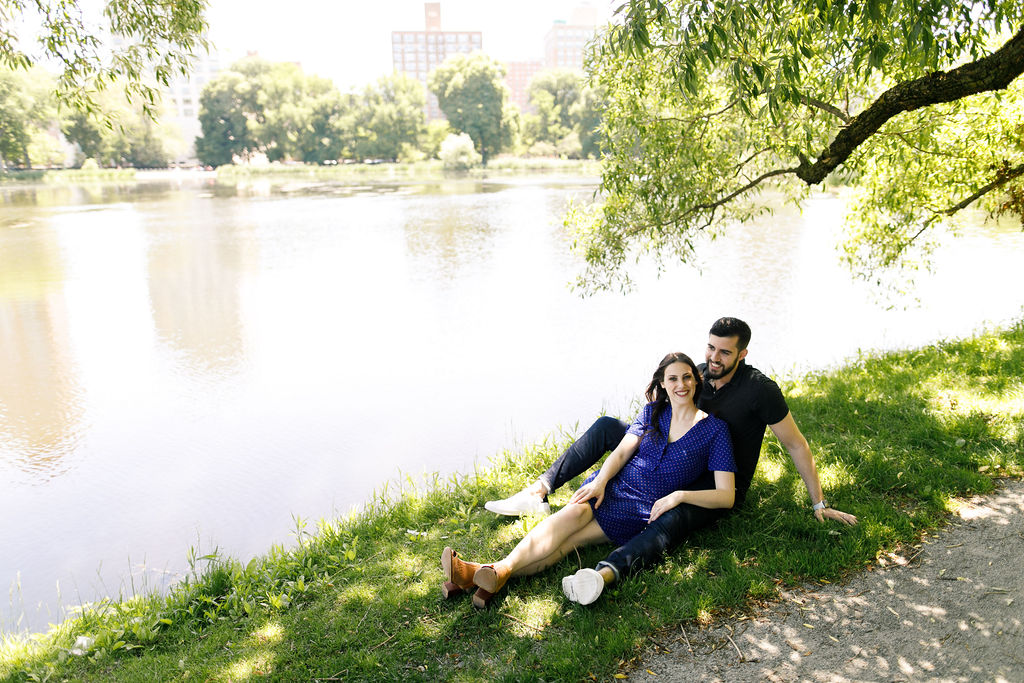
column 679, row 382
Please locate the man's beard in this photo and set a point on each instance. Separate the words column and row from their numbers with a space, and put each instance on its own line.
column 726, row 369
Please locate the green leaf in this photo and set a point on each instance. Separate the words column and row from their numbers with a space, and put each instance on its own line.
column 759, row 73
column 874, row 11
column 877, row 55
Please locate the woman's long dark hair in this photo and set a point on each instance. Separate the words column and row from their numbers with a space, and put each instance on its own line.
column 656, row 393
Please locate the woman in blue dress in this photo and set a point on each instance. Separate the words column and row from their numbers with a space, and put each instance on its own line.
column 669, row 445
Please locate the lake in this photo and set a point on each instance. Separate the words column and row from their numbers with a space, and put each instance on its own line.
column 191, row 364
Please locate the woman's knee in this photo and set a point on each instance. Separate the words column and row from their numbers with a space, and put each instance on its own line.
column 576, row 513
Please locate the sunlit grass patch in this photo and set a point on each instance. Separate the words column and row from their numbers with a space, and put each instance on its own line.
column 270, row 633
column 257, row 665
column 771, row 469
column 361, row 593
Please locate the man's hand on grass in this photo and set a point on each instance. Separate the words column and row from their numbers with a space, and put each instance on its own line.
column 838, row 515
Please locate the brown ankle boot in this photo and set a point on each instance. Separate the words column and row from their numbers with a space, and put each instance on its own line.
column 458, row 575
column 490, row 578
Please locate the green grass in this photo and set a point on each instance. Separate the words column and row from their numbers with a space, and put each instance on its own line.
column 898, row 437
column 69, row 175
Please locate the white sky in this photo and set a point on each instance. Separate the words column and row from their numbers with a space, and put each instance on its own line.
column 349, row 41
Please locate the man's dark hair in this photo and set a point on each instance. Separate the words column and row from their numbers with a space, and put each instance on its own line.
column 732, row 327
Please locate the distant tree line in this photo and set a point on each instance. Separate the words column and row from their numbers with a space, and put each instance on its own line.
column 274, row 109
column 114, row 133
column 258, row 107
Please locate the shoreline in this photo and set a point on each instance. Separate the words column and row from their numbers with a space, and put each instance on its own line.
column 431, row 170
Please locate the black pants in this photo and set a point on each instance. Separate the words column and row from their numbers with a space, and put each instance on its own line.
column 669, row 530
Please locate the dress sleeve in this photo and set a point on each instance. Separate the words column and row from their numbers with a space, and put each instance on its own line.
column 642, row 421
column 721, row 459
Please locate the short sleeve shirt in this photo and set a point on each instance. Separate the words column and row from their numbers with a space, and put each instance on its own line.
column 747, row 404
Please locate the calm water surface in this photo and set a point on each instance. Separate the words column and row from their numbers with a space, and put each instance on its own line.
column 190, row 364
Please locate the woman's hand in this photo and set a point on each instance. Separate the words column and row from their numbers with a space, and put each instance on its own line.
column 664, row 504
column 594, row 489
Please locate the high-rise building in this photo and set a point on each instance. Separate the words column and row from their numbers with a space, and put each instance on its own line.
column 565, row 43
column 181, row 103
column 564, row 47
column 417, row 53
column 518, row 76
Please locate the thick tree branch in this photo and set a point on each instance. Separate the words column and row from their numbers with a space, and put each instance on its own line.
column 994, row 72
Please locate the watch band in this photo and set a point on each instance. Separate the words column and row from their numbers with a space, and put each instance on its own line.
column 820, row 505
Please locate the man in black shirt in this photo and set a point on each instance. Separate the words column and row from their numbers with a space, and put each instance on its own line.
column 746, row 400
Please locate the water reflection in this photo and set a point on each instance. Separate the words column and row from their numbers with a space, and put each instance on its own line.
column 441, row 241
column 98, row 192
column 195, row 264
column 40, row 406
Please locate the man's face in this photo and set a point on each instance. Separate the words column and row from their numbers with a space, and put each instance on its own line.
column 722, row 356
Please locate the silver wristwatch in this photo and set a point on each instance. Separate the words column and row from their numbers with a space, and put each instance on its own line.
column 820, row 505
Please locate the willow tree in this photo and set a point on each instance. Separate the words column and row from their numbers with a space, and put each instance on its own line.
column 137, row 44
column 916, row 103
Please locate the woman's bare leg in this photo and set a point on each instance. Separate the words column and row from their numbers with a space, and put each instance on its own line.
column 547, row 542
column 588, row 535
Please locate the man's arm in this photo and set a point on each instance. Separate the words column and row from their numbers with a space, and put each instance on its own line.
column 789, row 434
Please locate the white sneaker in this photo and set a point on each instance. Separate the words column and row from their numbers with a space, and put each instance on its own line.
column 584, row 586
column 522, row 503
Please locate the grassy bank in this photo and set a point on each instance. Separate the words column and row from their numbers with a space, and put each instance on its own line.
column 419, row 170
column 897, row 437
column 69, row 176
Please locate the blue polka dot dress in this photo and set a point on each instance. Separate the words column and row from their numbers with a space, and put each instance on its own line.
column 658, row 468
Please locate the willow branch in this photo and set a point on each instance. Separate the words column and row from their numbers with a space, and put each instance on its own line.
column 732, row 195
column 826, row 107
column 1002, row 178
column 702, row 117
column 994, row 72
column 902, row 137
column 744, row 162
column 636, row 227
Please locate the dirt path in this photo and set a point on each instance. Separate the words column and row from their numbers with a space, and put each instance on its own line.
column 949, row 610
